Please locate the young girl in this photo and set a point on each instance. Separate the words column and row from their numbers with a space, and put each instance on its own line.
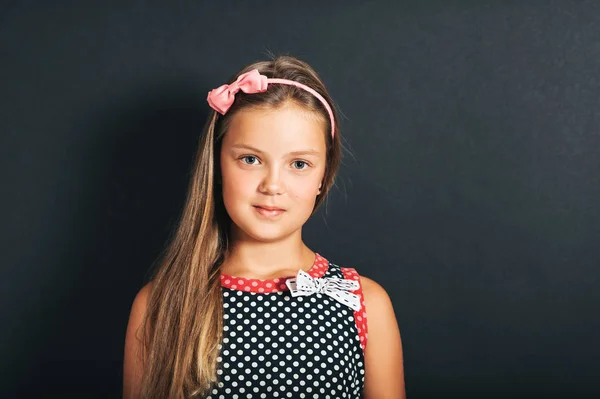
column 240, row 307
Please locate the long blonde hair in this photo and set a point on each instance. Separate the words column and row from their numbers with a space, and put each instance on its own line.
column 183, row 325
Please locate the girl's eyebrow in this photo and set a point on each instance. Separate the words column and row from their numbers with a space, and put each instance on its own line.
column 246, row 147
column 256, row 150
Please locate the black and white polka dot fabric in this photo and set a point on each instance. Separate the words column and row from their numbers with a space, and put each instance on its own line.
column 278, row 346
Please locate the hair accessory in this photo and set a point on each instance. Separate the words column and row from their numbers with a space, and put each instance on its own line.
column 337, row 288
column 221, row 98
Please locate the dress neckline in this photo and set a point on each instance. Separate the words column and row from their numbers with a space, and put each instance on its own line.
column 318, row 269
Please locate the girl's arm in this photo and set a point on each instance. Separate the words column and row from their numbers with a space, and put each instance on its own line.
column 132, row 363
column 384, row 370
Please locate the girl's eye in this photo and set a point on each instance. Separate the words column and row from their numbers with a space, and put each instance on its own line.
column 300, row 165
column 249, row 159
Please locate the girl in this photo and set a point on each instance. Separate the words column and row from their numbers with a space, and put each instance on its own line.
column 240, row 307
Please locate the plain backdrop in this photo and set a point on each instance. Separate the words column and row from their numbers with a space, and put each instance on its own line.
column 469, row 189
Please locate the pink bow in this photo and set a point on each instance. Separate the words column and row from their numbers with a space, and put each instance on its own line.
column 221, row 98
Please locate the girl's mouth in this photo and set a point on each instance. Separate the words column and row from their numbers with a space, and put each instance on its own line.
column 268, row 211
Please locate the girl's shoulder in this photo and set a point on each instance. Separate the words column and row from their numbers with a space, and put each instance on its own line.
column 377, row 303
column 372, row 288
column 132, row 363
column 369, row 286
column 376, row 298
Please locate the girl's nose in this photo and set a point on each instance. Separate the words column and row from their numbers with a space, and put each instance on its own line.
column 272, row 184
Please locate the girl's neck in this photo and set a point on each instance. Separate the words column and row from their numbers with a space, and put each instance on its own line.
column 267, row 260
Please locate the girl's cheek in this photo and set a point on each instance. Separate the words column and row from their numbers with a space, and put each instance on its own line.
column 234, row 175
column 305, row 189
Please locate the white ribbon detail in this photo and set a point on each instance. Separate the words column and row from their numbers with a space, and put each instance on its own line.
column 336, row 288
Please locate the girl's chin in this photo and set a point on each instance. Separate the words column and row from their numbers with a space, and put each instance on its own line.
column 262, row 233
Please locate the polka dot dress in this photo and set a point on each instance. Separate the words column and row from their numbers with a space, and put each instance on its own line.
column 278, row 346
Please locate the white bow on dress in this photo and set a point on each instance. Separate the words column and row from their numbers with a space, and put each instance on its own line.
column 337, row 288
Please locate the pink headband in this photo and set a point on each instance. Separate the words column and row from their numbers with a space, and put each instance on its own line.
column 221, row 98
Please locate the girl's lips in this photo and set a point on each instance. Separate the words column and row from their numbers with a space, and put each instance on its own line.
column 268, row 208
column 268, row 211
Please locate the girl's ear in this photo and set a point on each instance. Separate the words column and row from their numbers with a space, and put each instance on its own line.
column 319, row 191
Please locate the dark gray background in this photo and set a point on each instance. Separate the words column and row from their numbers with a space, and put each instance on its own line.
column 469, row 189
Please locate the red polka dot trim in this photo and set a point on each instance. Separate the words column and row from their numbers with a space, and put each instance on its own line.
column 318, row 269
column 360, row 316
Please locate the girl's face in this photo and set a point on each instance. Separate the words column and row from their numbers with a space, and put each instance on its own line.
column 272, row 167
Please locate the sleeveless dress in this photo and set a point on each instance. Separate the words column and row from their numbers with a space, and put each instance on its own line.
column 279, row 346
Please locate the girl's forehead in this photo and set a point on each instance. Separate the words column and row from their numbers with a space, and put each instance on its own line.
column 289, row 127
